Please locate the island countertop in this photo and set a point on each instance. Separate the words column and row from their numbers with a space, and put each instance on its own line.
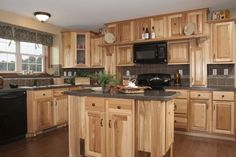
column 147, row 95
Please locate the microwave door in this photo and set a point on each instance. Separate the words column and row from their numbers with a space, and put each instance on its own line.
column 145, row 56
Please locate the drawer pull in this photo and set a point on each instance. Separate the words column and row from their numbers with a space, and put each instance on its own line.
column 199, row 94
column 175, row 121
column 222, row 96
column 93, row 104
column 43, row 94
column 118, row 107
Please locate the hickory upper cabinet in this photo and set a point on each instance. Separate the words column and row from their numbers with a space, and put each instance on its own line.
column 139, row 26
column 198, row 18
column 223, row 41
column 178, row 52
column 69, row 48
column 124, row 55
column 76, row 49
column 175, row 24
column 125, row 31
column 160, row 26
column 97, row 54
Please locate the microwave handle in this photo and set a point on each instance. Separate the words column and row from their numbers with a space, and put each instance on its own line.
column 156, row 53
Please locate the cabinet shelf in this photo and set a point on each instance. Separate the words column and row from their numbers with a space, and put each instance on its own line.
column 223, row 20
column 158, row 39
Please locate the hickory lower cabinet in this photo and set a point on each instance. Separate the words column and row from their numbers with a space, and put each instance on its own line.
column 200, row 111
column 115, row 127
column 223, row 112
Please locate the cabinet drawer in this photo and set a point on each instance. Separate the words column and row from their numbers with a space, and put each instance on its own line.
column 181, row 106
column 181, row 122
column 120, row 104
column 183, row 93
column 42, row 94
column 59, row 91
column 94, row 104
column 200, row 95
column 222, row 95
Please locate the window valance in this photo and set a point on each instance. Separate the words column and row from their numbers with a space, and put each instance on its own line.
column 18, row 33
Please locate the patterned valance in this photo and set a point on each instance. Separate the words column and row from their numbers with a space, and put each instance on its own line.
column 23, row 34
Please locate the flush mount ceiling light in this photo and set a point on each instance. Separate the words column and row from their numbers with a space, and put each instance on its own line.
column 42, row 16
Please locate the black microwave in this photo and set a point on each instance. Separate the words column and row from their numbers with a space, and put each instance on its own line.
column 150, row 53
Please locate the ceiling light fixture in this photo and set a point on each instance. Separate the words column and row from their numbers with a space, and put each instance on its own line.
column 42, row 16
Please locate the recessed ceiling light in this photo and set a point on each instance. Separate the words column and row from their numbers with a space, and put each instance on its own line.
column 42, row 16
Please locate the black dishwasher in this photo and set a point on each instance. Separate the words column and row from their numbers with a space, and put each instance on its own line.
column 13, row 115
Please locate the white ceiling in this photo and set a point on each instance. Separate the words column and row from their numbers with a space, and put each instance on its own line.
column 92, row 14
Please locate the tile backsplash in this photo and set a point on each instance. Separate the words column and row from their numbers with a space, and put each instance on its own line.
column 220, row 75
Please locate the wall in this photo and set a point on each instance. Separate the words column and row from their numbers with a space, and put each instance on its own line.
column 15, row 19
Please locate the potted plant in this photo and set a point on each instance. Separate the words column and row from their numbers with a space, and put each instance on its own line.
column 105, row 80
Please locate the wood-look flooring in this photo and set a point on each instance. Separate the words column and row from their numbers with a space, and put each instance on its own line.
column 55, row 144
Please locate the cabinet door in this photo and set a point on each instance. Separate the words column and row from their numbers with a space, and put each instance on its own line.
column 110, row 60
column 169, row 124
column 139, row 25
column 199, row 115
column 223, row 117
column 95, row 134
column 96, row 52
column 198, row 69
column 222, row 42
column 44, row 114
column 120, row 135
column 60, row 110
column 83, row 50
column 196, row 18
column 69, row 49
column 160, row 26
column 125, row 55
column 178, row 52
column 175, row 25
column 125, row 31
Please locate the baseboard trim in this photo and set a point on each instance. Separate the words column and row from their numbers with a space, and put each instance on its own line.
column 206, row 135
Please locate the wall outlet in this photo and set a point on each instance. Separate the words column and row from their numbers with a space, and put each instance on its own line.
column 214, row 71
column 226, row 71
column 181, row 72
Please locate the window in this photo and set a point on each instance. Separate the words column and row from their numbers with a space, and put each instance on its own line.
column 21, row 56
column 7, row 55
column 31, row 56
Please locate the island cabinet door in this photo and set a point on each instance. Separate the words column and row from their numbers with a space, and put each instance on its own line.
column 120, row 136
column 95, row 134
column 60, row 110
column 199, row 115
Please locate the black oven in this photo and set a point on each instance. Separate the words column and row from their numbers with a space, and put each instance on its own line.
column 150, row 53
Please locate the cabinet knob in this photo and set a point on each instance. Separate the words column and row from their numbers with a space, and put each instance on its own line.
column 109, row 124
column 43, row 94
column 199, row 94
column 118, row 107
column 101, row 123
column 223, row 96
column 175, row 121
column 175, row 107
column 93, row 104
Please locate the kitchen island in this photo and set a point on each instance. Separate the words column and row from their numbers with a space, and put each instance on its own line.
column 124, row 125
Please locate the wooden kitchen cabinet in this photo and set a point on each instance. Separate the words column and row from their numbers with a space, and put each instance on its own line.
column 200, row 111
column 95, row 124
column 139, row 26
column 198, row 18
column 97, row 54
column 125, row 31
column 120, row 128
column 83, row 49
column 176, row 23
column 178, row 52
column 110, row 60
column 198, row 67
column 169, row 125
column 60, row 110
column 44, row 114
column 160, row 26
column 223, row 112
column 223, row 42
column 69, row 49
column 125, row 55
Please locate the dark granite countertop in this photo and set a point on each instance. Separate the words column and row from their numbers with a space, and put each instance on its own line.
column 12, row 90
column 209, row 88
column 51, row 86
column 147, row 95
